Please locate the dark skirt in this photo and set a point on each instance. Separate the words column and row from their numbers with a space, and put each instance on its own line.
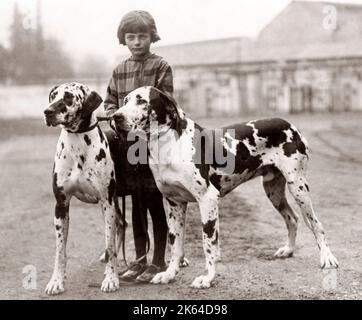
column 130, row 178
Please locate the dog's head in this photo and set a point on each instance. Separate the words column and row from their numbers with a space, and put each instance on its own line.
column 71, row 105
column 147, row 104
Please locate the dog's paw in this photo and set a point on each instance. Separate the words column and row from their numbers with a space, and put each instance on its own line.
column 110, row 283
column 284, row 252
column 202, row 282
column 328, row 260
column 184, row 263
column 163, row 277
column 55, row 285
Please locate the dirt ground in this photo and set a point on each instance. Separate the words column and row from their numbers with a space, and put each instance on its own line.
column 251, row 230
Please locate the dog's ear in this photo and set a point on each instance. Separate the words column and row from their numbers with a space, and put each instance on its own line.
column 51, row 92
column 168, row 106
column 91, row 103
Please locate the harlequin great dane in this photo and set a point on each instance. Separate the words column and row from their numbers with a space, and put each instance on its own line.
column 83, row 168
column 271, row 148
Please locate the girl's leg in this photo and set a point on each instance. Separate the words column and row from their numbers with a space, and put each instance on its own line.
column 139, row 224
column 155, row 205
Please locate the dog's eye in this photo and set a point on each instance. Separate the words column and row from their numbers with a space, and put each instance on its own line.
column 53, row 96
column 141, row 101
column 61, row 107
column 68, row 98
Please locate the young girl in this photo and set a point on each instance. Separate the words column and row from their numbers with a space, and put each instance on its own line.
column 137, row 30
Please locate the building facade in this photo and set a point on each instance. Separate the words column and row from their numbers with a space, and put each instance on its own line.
column 308, row 59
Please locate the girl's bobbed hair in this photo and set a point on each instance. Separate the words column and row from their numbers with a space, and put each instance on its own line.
column 137, row 21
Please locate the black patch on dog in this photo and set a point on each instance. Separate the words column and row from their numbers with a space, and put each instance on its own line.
column 289, row 148
column 79, row 166
column 165, row 105
column 53, row 94
column 100, row 134
column 171, row 238
column 111, row 190
column 216, row 181
column 272, row 130
column 87, row 140
column 101, row 155
column 307, row 187
column 68, row 98
column 83, row 91
column 57, row 227
column 214, row 242
column 282, row 206
column 58, row 191
column 244, row 160
column 82, row 158
column 60, row 208
column 201, row 145
column 242, row 131
column 296, row 144
column 209, row 227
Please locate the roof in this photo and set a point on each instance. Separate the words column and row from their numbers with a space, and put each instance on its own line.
column 219, row 51
column 284, row 38
column 317, row 26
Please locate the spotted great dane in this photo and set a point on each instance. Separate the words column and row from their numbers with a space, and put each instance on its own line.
column 83, row 168
column 271, row 148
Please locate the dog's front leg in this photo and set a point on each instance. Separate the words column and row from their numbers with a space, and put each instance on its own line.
column 111, row 281
column 209, row 210
column 176, row 216
column 61, row 223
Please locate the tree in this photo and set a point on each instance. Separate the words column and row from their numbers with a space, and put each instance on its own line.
column 34, row 59
column 4, row 64
column 54, row 62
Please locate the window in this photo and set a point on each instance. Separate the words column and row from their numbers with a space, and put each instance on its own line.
column 272, row 98
column 347, row 97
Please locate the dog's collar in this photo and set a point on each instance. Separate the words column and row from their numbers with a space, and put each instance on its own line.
column 87, row 129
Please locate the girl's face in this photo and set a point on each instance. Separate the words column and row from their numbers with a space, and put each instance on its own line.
column 138, row 43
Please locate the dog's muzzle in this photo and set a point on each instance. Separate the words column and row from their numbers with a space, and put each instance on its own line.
column 50, row 117
column 120, row 122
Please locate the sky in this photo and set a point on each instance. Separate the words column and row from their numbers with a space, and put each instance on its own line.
column 90, row 26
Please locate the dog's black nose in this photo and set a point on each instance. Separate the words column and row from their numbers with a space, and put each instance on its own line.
column 118, row 117
column 48, row 112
